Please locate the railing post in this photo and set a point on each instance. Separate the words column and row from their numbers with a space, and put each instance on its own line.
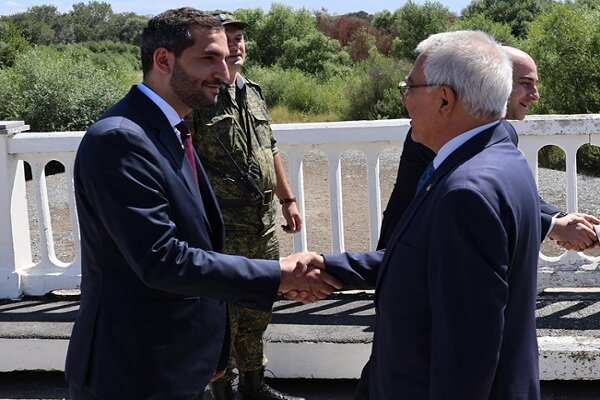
column 296, row 175
column 15, row 245
column 335, row 199
column 374, row 194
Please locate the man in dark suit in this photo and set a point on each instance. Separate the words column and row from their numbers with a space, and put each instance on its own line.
column 456, row 284
column 153, row 322
column 574, row 231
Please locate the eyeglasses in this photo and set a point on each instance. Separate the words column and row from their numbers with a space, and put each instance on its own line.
column 405, row 87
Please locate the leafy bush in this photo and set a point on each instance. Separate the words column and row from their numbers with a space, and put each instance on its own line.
column 107, row 55
column 517, row 14
column 299, row 91
column 12, row 42
column 11, row 101
column 313, row 54
column 565, row 44
column 60, row 92
column 498, row 30
column 372, row 89
column 588, row 160
column 414, row 23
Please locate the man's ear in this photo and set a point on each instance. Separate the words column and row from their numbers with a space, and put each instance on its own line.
column 164, row 60
column 448, row 100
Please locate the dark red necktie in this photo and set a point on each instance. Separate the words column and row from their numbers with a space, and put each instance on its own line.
column 186, row 138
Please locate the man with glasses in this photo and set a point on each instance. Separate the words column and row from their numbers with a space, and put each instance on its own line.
column 455, row 288
column 574, row 231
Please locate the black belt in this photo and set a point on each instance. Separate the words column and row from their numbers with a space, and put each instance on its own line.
column 238, row 203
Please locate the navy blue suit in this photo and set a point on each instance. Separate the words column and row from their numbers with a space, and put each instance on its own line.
column 153, row 321
column 456, row 284
column 413, row 161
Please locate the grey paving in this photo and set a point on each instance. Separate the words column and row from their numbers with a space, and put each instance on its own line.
column 51, row 385
column 341, row 319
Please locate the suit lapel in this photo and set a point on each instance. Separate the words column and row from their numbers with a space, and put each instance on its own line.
column 493, row 135
column 167, row 140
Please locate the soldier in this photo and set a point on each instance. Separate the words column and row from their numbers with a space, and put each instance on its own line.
column 236, row 145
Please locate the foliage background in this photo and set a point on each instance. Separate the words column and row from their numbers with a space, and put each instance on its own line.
column 60, row 71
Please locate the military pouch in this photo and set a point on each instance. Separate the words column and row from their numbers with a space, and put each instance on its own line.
column 255, row 194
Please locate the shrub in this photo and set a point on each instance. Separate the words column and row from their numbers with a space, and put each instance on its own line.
column 588, row 160
column 565, row 44
column 498, row 30
column 372, row 89
column 298, row 91
column 110, row 56
column 60, row 92
column 12, row 43
column 11, row 101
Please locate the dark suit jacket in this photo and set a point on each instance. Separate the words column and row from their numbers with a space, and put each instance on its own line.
column 152, row 322
column 413, row 161
column 456, row 285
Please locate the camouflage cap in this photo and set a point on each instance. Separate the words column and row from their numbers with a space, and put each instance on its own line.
column 229, row 19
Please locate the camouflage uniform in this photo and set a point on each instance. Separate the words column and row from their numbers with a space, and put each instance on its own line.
column 249, row 228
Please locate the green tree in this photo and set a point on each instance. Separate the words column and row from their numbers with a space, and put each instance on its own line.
column 591, row 4
column 565, row 44
column 312, row 54
column 498, row 30
column 282, row 23
column 518, row 14
column 90, row 21
column 253, row 17
column 12, row 43
column 383, row 20
column 39, row 24
column 414, row 22
column 373, row 89
column 125, row 27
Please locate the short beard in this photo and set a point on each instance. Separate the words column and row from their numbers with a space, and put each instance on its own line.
column 184, row 87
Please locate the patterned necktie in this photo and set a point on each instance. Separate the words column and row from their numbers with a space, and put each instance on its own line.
column 425, row 177
column 186, row 138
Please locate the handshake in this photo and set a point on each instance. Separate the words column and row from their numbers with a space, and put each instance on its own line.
column 303, row 278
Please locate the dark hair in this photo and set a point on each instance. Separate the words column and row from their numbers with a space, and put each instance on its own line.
column 171, row 30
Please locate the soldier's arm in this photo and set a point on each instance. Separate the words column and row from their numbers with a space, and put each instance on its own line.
column 283, row 191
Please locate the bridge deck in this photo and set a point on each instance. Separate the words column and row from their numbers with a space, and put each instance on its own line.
column 330, row 339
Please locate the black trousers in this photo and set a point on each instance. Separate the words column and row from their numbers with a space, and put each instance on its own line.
column 80, row 394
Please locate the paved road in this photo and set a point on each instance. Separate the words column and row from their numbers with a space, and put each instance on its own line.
column 51, row 385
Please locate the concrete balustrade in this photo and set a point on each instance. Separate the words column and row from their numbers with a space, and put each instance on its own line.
column 21, row 275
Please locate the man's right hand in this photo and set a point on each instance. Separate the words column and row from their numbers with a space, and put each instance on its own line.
column 575, row 231
column 303, row 278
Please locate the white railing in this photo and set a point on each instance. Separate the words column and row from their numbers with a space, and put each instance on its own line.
column 21, row 274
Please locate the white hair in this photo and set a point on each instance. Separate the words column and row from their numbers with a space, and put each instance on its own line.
column 474, row 65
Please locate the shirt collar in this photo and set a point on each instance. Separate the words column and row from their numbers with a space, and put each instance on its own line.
column 165, row 107
column 451, row 146
column 239, row 81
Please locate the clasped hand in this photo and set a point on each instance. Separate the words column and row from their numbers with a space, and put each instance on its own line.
column 575, row 231
column 303, row 278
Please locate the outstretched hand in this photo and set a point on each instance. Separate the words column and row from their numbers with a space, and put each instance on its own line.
column 575, row 231
column 303, row 278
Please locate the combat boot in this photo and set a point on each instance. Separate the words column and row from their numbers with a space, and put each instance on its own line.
column 252, row 386
column 221, row 389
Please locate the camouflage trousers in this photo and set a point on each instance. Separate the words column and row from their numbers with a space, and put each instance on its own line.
column 248, row 325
